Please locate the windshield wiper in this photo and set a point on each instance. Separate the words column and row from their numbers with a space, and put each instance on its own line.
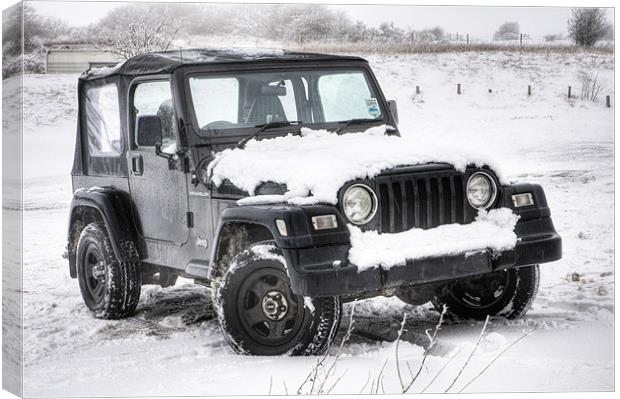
column 349, row 122
column 271, row 125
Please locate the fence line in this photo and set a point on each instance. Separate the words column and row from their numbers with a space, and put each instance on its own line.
column 459, row 91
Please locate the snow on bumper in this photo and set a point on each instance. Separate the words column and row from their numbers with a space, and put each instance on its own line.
column 493, row 230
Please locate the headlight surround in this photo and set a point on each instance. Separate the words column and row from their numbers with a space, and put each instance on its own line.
column 359, row 204
column 481, row 190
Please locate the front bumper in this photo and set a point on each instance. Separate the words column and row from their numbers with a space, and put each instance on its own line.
column 313, row 272
column 323, row 270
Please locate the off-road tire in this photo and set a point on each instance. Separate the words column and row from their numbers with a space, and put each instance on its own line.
column 515, row 299
column 115, row 293
column 253, row 275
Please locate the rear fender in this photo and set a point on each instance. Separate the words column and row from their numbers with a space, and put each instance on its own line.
column 105, row 204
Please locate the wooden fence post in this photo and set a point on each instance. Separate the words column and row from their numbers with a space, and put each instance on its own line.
column 608, row 101
column 458, row 88
column 569, row 93
column 417, row 90
column 529, row 90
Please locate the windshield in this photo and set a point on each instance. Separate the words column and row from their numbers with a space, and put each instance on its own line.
column 250, row 99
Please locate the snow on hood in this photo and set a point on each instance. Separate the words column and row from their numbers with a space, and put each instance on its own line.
column 492, row 230
column 315, row 165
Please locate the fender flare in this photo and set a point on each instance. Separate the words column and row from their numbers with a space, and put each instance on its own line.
column 113, row 208
column 300, row 233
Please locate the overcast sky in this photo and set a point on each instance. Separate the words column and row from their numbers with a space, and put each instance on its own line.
column 479, row 22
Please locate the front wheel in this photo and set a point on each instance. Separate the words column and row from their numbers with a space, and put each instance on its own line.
column 506, row 293
column 260, row 315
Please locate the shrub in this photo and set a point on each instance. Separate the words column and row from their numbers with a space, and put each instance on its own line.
column 590, row 85
column 507, row 31
column 586, row 26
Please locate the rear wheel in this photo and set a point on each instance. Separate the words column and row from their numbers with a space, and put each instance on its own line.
column 260, row 315
column 506, row 293
column 110, row 287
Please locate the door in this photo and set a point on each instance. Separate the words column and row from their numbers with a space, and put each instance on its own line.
column 159, row 192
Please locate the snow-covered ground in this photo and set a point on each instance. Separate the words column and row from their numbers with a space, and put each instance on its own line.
column 173, row 345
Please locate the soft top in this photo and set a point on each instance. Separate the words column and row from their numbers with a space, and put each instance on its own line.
column 167, row 61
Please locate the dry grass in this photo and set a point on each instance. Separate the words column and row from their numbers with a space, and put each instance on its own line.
column 432, row 47
column 590, row 85
column 316, row 382
column 432, row 341
column 322, row 372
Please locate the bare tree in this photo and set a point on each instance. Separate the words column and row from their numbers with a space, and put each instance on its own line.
column 507, row 31
column 587, row 25
column 137, row 29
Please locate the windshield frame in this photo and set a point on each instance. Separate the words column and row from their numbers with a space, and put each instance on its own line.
column 235, row 134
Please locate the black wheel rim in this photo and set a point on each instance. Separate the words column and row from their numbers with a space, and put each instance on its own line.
column 484, row 291
column 269, row 312
column 93, row 272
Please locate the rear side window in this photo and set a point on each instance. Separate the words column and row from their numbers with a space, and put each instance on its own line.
column 103, row 121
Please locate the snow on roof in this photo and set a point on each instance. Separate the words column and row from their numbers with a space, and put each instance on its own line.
column 493, row 230
column 315, row 165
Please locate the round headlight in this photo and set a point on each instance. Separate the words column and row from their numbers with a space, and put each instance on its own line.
column 359, row 204
column 481, row 190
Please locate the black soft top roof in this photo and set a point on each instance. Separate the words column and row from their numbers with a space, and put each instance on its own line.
column 167, row 61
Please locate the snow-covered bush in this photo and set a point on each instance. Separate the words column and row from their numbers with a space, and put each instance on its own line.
column 137, row 29
column 33, row 63
column 507, row 31
column 552, row 37
column 21, row 24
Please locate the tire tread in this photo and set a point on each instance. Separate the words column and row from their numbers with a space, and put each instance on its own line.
column 123, row 276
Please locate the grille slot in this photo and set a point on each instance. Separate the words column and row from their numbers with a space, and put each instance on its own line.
column 421, row 201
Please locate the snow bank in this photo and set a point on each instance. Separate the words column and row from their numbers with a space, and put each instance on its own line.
column 316, row 164
column 492, row 230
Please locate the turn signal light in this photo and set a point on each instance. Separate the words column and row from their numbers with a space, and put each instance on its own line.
column 324, row 222
column 281, row 225
column 521, row 200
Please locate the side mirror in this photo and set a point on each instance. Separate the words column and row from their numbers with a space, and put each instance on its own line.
column 393, row 109
column 149, row 132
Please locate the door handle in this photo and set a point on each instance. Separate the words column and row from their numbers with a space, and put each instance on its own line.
column 137, row 165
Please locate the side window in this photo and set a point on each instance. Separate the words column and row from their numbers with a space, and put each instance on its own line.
column 216, row 101
column 346, row 96
column 103, row 121
column 154, row 98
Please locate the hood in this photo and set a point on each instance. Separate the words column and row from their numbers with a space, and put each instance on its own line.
column 316, row 164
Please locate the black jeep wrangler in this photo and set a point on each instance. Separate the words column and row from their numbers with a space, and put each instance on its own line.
column 145, row 209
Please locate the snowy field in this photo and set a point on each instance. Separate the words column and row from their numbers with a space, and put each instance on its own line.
column 173, row 346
